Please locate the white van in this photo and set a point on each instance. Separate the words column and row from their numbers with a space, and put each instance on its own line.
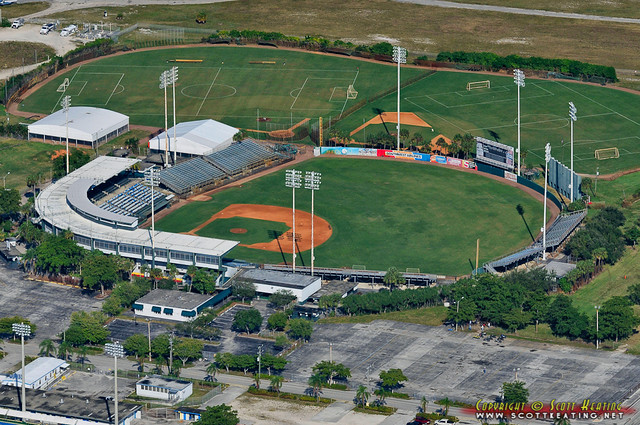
column 67, row 31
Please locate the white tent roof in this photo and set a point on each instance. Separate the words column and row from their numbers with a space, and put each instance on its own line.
column 196, row 137
column 85, row 123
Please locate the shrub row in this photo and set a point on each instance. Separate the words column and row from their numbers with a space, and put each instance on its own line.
column 288, row 396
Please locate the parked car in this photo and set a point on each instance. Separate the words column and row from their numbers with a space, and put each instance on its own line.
column 67, row 31
column 46, row 28
column 17, row 23
column 443, row 422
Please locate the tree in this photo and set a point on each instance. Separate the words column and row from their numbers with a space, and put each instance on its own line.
column 187, row 349
column 564, row 319
column 330, row 370
column 171, row 271
column 212, row 370
column 276, row 383
column 249, row 320
column 87, row 328
column 277, row 321
column 47, row 347
column 586, row 185
column 82, row 351
column 362, row 395
column 276, row 363
column 443, row 145
column 467, row 143
column 224, row 360
column 316, row 382
column 391, row 379
column 77, row 158
column 632, row 236
column 63, row 351
column 300, row 329
column 281, row 342
column 57, row 255
column 393, row 278
column 382, row 394
column 417, row 139
column 191, row 272
column 634, row 293
column 160, row 346
column 243, row 289
column 218, row 415
column 281, row 298
column 203, row 281
column 133, row 144
column 515, row 392
column 238, row 136
column 331, row 301
column 617, row 319
column 9, row 202
column 446, row 403
column 245, row 362
column 137, row 344
column 98, row 269
column 32, row 181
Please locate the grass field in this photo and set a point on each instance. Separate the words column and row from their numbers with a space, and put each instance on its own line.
column 229, row 88
column 14, row 154
column 387, row 213
column 18, row 53
column 21, row 9
column 257, row 230
column 430, row 316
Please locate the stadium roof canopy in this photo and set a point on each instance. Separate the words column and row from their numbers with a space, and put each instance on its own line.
column 196, row 137
column 87, row 125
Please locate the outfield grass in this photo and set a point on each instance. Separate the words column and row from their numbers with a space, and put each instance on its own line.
column 430, row 316
column 257, row 230
column 388, row 213
column 14, row 154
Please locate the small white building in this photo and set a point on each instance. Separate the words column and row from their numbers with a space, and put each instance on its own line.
column 194, row 138
column 88, row 126
column 164, row 389
column 172, row 305
column 38, row 374
column 269, row 282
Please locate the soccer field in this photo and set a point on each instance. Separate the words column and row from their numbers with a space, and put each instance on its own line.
column 383, row 214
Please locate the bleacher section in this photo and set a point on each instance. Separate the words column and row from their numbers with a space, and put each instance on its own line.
column 556, row 234
column 238, row 159
column 135, row 201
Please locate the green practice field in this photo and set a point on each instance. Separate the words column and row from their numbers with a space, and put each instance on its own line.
column 387, row 213
column 226, row 86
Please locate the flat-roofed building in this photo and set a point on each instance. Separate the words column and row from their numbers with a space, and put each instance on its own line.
column 162, row 388
column 172, row 305
column 38, row 374
column 269, row 282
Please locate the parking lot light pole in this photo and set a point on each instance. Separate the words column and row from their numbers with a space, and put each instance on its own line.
column 259, row 364
column 399, row 57
column 458, row 311
column 293, row 179
column 518, row 77
column 516, row 369
column 4, row 180
column 573, row 118
column 312, row 180
column 597, row 328
column 22, row 330
column 547, row 158
column 116, row 350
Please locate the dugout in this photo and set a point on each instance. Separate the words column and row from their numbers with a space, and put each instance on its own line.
column 87, row 126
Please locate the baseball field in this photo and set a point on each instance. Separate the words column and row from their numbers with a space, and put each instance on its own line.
column 273, row 89
column 380, row 214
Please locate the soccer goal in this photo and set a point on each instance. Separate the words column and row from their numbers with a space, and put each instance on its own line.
column 64, row 86
column 607, row 153
column 471, row 85
column 351, row 92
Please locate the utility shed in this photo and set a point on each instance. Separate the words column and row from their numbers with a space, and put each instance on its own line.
column 269, row 282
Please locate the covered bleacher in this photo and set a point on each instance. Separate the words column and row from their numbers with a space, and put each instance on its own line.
column 556, row 234
column 240, row 158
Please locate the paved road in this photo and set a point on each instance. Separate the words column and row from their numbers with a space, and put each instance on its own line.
column 520, row 11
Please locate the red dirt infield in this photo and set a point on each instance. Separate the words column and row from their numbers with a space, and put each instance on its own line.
column 322, row 229
column 238, row 230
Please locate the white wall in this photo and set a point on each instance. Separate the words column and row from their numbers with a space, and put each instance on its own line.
column 156, row 392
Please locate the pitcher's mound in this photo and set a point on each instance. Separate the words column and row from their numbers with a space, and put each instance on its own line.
column 238, row 230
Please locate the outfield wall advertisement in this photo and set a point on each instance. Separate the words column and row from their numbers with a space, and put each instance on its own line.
column 388, row 153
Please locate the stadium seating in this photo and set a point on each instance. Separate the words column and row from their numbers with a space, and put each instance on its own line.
column 241, row 156
column 188, row 175
column 134, row 202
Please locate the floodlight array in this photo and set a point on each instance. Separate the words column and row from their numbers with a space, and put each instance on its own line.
column 65, row 103
column 312, row 180
column 21, row 329
column 518, row 77
column 572, row 112
column 114, row 349
column 293, row 179
column 547, row 152
column 399, row 54
column 151, row 178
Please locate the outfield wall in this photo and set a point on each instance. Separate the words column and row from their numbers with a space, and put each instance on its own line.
column 388, row 153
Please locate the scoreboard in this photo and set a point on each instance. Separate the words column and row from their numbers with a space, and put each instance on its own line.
column 494, row 153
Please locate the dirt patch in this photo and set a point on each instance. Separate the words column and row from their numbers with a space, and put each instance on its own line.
column 406, row 118
column 201, row 198
column 322, row 229
column 281, row 134
column 238, row 230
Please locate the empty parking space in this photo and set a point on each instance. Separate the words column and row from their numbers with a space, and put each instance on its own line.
column 123, row 329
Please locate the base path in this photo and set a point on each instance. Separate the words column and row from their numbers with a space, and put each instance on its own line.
column 406, row 118
column 322, row 229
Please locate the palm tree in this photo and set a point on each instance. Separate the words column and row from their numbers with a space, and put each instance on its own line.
column 423, row 404
column 599, row 255
column 63, row 350
column 47, row 347
column 561, row 421
column 82, row 353
column 316, row 382
column 446, row 403
column 442, row 144
column 382, row 395
column 276, row 383
column 362, row 395
column 212, row 369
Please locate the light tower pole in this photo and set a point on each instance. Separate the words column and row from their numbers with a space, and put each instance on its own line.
column 597, row 327
column 174, row 78
column 259, row 364
column 572, row 115
column 293, row 179
column 165, row 79
column 22, row 330
column 4, row 180
column 547, row 158
column 458, row 311
column 312, row 180
column 400, row 57
column 518, row 77
column 151, row 180
column 116, row 350
column 66, row 103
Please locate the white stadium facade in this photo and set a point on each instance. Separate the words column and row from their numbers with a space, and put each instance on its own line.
column 101, row 203
column 194, row 138
column 87, row 126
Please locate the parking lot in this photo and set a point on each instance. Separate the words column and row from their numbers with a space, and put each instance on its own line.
column 123, row 329
column 441, row 363
column 47, row 305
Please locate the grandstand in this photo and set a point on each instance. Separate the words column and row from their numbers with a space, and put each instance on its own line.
column 556, row 234
column 135, row 201
column 239, row 159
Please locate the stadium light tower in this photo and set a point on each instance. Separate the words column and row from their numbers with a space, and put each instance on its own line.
column 518, row 77
column 116, row 350
column 151, row 179
column 547, row 158
column 174, row 78
column 399, row 57
column 22, row 330
column 572, row 115
column 312, row 180
column 293, row 179
column 66, row 103
column 165, row 80
column 597, row 327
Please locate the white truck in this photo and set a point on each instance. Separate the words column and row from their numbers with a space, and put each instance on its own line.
column 17, row 23
column 67, row 31
column 46, row 28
